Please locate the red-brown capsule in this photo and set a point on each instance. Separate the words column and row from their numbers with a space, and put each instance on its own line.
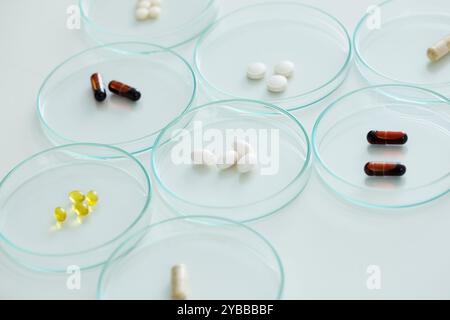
column 383, row 169
column 387, row 137
column 98, row 87
column 124, row 90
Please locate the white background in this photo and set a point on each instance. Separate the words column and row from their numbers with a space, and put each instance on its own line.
column 326, row 244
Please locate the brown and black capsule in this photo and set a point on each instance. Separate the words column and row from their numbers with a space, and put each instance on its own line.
column 98, row 87
column 384, row 169
column 124, row 90
column 387, row 137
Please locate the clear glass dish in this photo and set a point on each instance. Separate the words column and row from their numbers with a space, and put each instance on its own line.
column 315, row 41
column 31, row 191
column 224, row 260
column 411, row 27
column 180, row 21
column 281, row 143
column 341, row 149
column 69, row 113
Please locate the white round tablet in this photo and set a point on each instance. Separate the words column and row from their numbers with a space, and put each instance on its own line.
column 247, row 163
column 277, row 83
column 256, row 70
column 284, row 68
column 242, row 147
column 144, row 4
column 142, row 13
column 154, row 12
column 227, row 160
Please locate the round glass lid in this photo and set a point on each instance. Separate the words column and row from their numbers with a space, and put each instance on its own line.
column 70, row 112
column 313, row 41
column 195, row 258
column 49, row 219
column 378, row 150
column 393, row 41
column 237, row 159
column 168, row 23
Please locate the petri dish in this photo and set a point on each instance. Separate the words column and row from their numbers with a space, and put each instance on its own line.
column 31, row 191
column 69, row 113
column 341, row 148
column 180, row 21
column 224, row 260
column 316, row 42
column 411, row 27
column 277, row 138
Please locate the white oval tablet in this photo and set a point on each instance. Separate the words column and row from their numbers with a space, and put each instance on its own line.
column 154, row 12
column 227, row 160
column 256, row 70
column 284, row 68
column 242, row 147
column 247, row 163
column 142, row 13
column 277, row 83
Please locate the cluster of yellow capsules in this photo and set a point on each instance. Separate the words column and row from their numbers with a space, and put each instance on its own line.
column 82, row 205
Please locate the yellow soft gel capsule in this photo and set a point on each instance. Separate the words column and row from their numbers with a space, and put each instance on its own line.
column 92, row 198
column 76, row 196
column 81, row 209
column 60, row 214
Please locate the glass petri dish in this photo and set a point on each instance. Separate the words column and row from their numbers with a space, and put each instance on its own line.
column 224, row 260
column 180, row 21
column 31, row 191
column 69, row 113
column 279, row 140
column 411, row 27
column 341, row 149
column 315, row 41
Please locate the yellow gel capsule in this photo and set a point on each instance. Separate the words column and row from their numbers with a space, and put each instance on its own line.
column 76, row 196
column 60, row 214
column 81, row 209
column 92, row 198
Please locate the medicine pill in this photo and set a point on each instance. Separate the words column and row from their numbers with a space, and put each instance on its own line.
column 60, row 214
column 277, row 83
column 154, row 12
column 439, row 50
column 76, row 196
column 227, row 159
column 179, row 282
column 98, row 87
column 124, row 90
column 382, row 169
column 242, row 147
column 386, row 137
column 81, row 209
column 247, row 163
column 203, row 157
column 284, row 68
column 156, row 3
column 256, row 70
column 144, row 4
column 91, row 198
column 142, row 13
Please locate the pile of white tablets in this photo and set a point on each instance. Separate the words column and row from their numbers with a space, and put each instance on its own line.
column 278, row 81
column 148, row 9
column 242, row 155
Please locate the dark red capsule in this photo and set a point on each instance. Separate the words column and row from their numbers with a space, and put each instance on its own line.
column 383, row 169
column 124, row 90
column 387, row 137
column 98, row 87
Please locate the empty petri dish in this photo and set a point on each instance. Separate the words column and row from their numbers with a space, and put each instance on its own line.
column 69, row 113
column 392, row 39
column 316, row 42
column 223, row 260
column 31, row 191
column 342, row 150
column 281, row 170
column 179, row 22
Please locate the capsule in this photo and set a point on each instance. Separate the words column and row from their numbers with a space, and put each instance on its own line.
column 76, row 196
column 386, row 137
column 60, row 214
column 98, row 87
column 179, row 282
column 91, row 198
column 384, row 169
column 124, row 90
column 439, row 50
column 81, row 209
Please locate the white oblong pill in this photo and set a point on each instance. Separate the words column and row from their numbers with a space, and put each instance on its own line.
column 256, row 70
column 242, row 147
column 277, row 83
column 142, row 13
column 179, row 282
column 227, row 159
column 284, row 68
column 154, row 12
column 144, row 4
column 247, row 163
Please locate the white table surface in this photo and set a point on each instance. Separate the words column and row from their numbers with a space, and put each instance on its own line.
column 325, row 243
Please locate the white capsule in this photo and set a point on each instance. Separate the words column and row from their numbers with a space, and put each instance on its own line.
column 439, row 50
column 154, row 12
column 142, row 13
column 247, row 163
column 227, row 160
column 203, row 157
column 277, row 83
column 242, row 147
column 256, row 70
column 284, row 68
column 156, row 3
column 144, row 4
column 179, row 282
